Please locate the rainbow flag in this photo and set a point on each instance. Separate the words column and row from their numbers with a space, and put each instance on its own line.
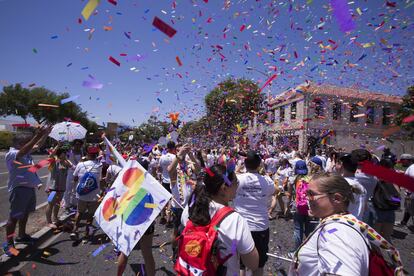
column 114, row 153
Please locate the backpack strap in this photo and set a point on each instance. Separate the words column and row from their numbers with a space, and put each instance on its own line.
column 373, row 237
column 220, row 215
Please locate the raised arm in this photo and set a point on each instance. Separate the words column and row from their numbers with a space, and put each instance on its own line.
column 42, row 133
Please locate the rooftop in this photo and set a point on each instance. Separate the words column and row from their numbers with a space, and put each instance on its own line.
column 331, row 90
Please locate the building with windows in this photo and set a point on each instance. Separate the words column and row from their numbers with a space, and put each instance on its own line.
column 346, row 118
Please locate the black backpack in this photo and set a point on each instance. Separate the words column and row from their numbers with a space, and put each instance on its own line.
column 386, row 197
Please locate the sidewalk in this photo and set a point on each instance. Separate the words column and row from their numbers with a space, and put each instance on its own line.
column 37, row 228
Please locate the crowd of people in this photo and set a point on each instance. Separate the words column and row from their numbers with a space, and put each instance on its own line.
column 325, row 195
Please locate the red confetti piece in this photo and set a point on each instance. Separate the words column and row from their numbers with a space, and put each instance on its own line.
column 178, row 61
column 113, row 2
column 408, row 119
column 268, row 82
column 21, row 125
column 209, row 172
column 114, row 61
column 388, row 175
column 41, row 164
column 123, row 55
column 205, row 1
column 164, row 27
column 80, row 20
column 242, row 28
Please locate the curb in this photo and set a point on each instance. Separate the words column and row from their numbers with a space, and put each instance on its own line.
column 6, row 262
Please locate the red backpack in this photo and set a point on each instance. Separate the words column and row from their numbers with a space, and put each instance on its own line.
column 198, row 253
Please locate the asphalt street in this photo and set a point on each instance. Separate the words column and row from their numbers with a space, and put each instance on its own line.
column 62, row 256
column 4, row 194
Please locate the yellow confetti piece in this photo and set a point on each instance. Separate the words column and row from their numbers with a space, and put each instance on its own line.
column 359, row 11
column 89, row 8
column 46, row 253
column 150, row 205
column 48, row 105
column 367, row 45
column 359, row 115
column 193, row 81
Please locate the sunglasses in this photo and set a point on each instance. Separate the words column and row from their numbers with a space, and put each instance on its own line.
column 315, row 196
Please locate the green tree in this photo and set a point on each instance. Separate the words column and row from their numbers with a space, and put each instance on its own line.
column 13, row 101
column 22, row 102
column 232, row 102
column 150, row 131
column 406, row 110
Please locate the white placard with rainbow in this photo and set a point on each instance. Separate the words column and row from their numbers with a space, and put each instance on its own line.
column 130, row 206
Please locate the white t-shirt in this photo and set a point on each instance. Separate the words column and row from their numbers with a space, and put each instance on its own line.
column 410, row 172
column 210, row 160
column 271, row 165
column 165, row 161
column 342, row 251
column 95, row 167
column 232, row 230
column 253, row 199
column 112, row 172
column 369, row 183
column 357, row 208
column 282, row 174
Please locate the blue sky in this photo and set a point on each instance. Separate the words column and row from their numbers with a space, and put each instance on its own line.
column 68, row 54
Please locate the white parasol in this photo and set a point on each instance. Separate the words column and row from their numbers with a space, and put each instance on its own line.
column 67, row 131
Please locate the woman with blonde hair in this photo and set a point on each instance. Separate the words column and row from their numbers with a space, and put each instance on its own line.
column 341, row 244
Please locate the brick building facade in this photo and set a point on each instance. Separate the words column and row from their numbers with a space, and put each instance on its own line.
column 354, row 119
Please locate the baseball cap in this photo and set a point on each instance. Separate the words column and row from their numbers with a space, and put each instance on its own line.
column 317, row 161
column 301, row 168
column 406, row 156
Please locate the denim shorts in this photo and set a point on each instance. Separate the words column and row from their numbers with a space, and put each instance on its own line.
column 22, row 201
column 384, row 216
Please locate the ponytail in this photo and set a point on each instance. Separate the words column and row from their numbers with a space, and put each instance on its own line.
column 199, row 206
column 201, row 196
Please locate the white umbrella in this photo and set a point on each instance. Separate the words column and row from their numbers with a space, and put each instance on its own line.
column 67, row 131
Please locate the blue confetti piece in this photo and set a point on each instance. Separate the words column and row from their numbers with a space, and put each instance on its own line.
column 84, row 68
column 70, row 64
column 333, row 230
column 314, row 68
column 54, row 37
column 362, row 57
column 70, row 99
column 119, row 13
column 147, row 10
column 51, row 196
column 158, row 99
column 99, row 249
column 127, row 35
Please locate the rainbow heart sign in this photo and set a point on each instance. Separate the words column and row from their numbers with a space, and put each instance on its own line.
column 130, row 206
